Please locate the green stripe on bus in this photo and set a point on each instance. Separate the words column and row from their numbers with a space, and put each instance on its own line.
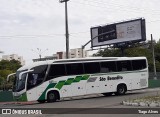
column 42, row 97
column 85, row 77
column 69, row 81
column 77, row 79
column 60, row 84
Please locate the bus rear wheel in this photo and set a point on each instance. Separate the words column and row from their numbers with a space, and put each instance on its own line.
column 51, row 96
column 121, row 89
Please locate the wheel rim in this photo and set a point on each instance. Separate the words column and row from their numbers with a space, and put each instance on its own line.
column 51, row 96
column 121, row 90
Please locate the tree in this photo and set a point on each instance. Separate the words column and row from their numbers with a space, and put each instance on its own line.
column 135, row 52
column 157, row 51
column 6, row 68
column 5, row 72
column 108, row 53
column 10, row 65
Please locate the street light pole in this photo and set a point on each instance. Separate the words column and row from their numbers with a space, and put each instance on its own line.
column 153, row 57
column 83, row 46
column 66, row 26
column 39, row 52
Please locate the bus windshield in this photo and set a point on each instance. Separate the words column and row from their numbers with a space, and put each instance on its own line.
column 19, row 83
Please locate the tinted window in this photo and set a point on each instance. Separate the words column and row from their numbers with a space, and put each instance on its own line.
column 108, row 67
column 74, row 69
column 124, row 66
column 92, row 67
column 56, row 71
column 138, row 64
column 37, row 76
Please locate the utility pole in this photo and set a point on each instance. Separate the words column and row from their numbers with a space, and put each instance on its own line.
column 153, row 57
column 66, row 26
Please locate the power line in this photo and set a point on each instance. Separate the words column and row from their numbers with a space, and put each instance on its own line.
column 75, row 33
column 34, row 36
column 5, row 36
column 121, row 6
column 101, row 7
column 80, row 36
column 51, row 35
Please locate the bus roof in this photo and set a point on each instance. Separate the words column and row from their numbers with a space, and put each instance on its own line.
column 91, row 59
column 95, row 59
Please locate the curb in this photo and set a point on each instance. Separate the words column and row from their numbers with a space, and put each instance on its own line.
column 20, row 103
column 143, row 104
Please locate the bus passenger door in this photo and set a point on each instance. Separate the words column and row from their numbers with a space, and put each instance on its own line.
column 35, row 80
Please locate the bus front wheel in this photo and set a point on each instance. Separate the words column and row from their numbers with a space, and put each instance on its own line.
column 121, row 89
column 52, row 96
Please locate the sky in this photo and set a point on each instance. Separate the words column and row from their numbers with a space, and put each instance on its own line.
column 26, row 25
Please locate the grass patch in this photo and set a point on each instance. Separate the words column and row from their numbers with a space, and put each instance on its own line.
column 149, row 99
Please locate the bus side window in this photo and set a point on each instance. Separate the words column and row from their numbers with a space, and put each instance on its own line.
column 74, row 69
column 108, row 66
column 92, row 67
column 139, row 64
column 56, row 70
column 124, row 66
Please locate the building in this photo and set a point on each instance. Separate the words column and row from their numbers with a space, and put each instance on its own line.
column 61, row 55
column 77, row 53
column 15, row 57
column 46, row 58
column 73, row 53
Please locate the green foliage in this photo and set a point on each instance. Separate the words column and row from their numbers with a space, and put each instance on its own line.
column 108, row 53
column 6, row 68
column 157, row 51
column 135, row 52
column 9, row 65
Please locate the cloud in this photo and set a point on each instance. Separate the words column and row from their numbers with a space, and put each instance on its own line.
column 39, row 18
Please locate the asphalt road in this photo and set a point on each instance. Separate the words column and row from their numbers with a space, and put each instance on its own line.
column 86, row 103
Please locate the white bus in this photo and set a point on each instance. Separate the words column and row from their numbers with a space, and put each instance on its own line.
column 54, row 80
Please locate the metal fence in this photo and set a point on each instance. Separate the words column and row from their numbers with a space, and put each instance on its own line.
column 151, row 75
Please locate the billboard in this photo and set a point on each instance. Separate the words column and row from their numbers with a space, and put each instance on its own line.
column 128, row 31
